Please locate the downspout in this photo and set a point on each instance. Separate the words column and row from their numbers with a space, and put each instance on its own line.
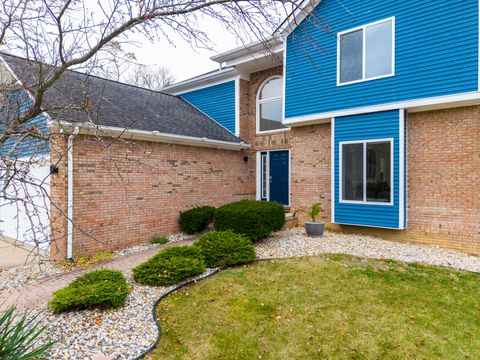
column 70, row 193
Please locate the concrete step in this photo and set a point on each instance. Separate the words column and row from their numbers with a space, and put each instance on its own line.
column 291, row 221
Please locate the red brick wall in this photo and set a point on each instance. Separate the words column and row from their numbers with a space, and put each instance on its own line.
column 248, row 113
column 310, row 169
column 127, row 192
column 443, row 178
column 58, row 197
column 248, row 118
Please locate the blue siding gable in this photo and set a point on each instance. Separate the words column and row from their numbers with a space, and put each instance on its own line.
column 19, row 104
column 380, row 125
column 436, row 54
column 217, row 101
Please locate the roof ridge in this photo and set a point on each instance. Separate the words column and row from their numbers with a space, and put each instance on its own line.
column 2, row 53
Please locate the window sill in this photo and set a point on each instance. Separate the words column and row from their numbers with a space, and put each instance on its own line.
column 271, row 131
column 365, row 80
column 366, row 203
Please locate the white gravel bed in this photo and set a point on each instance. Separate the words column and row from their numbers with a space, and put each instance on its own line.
column 32, row 273
column 123, row 333
column 295, row 243
column 171, row 239
column 27, row 274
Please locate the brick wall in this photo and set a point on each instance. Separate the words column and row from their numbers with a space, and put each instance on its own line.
column 58, row 197
column 248, row 113
column 248, row 118
column 126, row 192
column 310, row 169
column 443, row 178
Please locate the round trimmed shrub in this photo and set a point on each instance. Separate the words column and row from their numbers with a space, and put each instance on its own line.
column 254, row 219
column 170, row 266
column 225, row 248
column 102, row 288
column 196, row 219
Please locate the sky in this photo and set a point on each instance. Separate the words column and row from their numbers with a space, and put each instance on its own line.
column 184, row 60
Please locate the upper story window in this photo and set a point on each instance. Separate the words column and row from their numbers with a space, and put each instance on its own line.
column 366, row 52
column 269, row 105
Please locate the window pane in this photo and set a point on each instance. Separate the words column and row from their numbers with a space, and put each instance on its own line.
column 378, row 50
column 351, row 54
column 352, row 172
column 264, row 177
column 378, row 172
column 271, row 89
column 271, row 115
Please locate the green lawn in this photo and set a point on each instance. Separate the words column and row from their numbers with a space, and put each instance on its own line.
column 328, row 307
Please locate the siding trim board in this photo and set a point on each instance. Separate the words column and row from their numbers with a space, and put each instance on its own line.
column 434, row 103
column 237, row 107
column 385, row 125
column 403, row 178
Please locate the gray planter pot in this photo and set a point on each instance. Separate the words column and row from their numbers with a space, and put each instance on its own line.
column 314, row 228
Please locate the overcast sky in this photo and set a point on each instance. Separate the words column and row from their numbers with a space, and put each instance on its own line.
column 186, row 60
column 183, row 59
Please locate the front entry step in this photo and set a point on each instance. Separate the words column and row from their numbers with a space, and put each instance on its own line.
column 291, row 221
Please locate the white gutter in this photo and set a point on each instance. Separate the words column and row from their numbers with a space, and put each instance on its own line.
column 70, row 192
column 259, row 48
column 154, row 136
column 210, row 79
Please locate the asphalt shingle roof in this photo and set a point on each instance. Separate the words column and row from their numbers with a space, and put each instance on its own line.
column 78, row 97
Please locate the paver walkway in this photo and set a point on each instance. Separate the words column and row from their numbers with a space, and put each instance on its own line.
column 34, row 295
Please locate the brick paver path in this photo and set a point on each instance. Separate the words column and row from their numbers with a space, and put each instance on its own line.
column 31, row 296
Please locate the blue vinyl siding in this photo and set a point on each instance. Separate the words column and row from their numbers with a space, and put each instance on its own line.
column 18, row 105
column 380, row 125
column 217, row 101
column 436, row 54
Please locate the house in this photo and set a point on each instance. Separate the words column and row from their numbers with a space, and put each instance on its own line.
column 371, row 107
column 119, row 165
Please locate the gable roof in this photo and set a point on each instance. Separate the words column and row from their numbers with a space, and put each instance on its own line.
column 78, row 98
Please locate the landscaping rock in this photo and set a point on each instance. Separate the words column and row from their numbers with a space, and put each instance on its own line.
column 295, row 243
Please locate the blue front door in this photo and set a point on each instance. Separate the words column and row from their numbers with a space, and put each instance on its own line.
column 279, row 176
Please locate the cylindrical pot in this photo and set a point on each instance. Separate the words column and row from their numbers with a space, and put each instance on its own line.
column 314, row 228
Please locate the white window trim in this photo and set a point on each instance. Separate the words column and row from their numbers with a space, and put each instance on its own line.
column 392, row 167
column 264, row 101
column 363, row 27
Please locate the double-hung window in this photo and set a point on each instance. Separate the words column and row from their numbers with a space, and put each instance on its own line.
column 366, row 174
column 366, row 52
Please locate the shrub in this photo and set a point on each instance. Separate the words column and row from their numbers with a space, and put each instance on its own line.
column 170, row 266
column 157, row 239
column 97, row 289
column 225, row 248
column 19, row 337
column 196, row 219
column 255, row 219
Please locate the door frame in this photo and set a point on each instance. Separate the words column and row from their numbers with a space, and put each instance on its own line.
column 258, row 174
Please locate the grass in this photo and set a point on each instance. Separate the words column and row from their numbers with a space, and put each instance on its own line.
column 327, row 307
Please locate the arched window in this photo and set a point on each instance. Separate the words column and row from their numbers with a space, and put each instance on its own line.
column 269, row 105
